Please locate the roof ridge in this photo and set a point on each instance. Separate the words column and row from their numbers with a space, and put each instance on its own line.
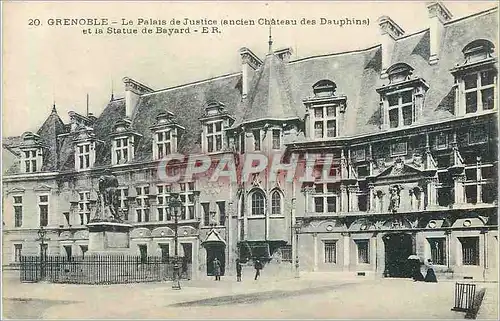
column 471, row 15
column 336, row 53
column 192, row 83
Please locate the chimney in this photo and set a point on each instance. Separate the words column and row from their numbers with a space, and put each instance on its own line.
column 284, row 54
column 133, row 90
column 438, row 15
column 249, row 63
column 390, row 32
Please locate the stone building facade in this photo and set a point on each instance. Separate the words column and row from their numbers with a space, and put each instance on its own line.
column 402, row 138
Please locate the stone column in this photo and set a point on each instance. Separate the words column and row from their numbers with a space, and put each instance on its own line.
column 448, row 247
column 431, row 192
column 353, row 199
column 344, row 201
column 373, row 252
column 371, row 190
column 458, row 182
column 347, row 241
column 315, row 251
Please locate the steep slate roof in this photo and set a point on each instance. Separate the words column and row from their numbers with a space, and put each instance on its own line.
column 187, row 103
column 270, row 95
column 114, row 111
column 51, row 128
column 278, row 88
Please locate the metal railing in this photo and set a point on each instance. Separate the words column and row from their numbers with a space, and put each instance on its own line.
column 99, row 269
column 464, row 296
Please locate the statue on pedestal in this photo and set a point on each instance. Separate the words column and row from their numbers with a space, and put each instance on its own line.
column 108, row 198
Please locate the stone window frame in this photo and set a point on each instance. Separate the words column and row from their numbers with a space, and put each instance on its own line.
column 43, row 205
column 475, row 176
column 328, row 113
column 443, row 250
column 84, row 207
column 187, row 198
column 121, row 150
column 257, row 207
column 123, row 199
column 142, row 209
column 475, row 251
column 276, row 204
column 163, row 193
column 327, row 259
column 30, row 160
column 84, row 159
column 167, row 146
column 325, row 195
column 18, row 217
column 366, row 260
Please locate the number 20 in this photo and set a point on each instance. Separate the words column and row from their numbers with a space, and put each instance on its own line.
column 33, row 22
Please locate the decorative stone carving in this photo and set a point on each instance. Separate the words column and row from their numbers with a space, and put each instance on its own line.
column 395, row 199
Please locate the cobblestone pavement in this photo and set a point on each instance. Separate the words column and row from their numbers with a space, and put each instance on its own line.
column 314, row 295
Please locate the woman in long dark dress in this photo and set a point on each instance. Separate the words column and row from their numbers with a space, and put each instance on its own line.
column 430, row 276
column 417, row 275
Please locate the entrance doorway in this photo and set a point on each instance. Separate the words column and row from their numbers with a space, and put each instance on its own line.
column 215, row 250
column 398, row 247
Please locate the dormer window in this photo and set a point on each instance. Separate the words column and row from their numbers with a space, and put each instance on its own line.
column 400, row 108
column 215, row 120
column 123, row 142
column 166, row 135
column 31, row 153
column 325, row 110
column 214, row 136
column 84, row 144
column 30, row 161
column 401, row 101
column 479, row 89
column 475, row 79
column 163, row 143
column 83, row 157
column 478, row 50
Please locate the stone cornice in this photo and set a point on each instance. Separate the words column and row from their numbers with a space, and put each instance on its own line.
column 248, row 57
column 388, row 26
column 438, row 9
column 136, row 87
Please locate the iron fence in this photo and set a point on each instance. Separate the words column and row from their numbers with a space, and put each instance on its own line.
column 100, row 269
column 464, row 296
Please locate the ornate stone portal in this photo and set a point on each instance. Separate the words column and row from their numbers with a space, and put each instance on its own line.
column 107, row 231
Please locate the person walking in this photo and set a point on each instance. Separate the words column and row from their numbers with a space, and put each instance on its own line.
column 258, row 267
column 238, row 270
column 217, row 269
column 430, row 276
column 417, row 275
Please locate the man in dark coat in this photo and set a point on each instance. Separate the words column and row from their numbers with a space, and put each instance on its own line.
column 238, row 270
column 258, row 267
column 217, row 269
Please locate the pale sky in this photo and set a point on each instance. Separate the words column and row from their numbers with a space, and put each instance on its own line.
column 44, row 63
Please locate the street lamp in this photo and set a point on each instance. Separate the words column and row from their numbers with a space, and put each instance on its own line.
column 297, row 227
column 41, row 236
column 174, row 206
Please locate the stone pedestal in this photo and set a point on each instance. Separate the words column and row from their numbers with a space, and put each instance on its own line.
column 109, row 238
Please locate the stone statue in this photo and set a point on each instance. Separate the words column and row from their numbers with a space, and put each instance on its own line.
column 108, row 197
column 394, row 198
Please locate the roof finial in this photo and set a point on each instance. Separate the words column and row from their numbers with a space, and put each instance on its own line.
column 270, row 40
column 87, row 104
column 54, row 110
column 112, row 91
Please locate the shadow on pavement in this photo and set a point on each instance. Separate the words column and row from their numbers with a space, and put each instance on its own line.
column 28, row 308
column 257, row 297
